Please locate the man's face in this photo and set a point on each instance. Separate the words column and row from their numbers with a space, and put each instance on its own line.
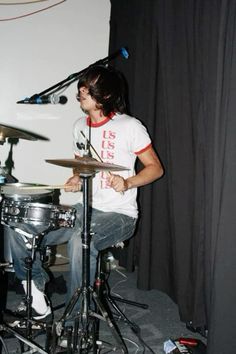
column 87, row 103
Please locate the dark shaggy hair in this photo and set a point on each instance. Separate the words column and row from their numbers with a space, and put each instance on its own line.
column 107, row 86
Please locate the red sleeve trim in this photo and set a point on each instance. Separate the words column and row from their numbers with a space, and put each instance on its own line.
column 144, row 149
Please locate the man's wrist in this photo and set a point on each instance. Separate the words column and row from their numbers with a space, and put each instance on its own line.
column 127, row 184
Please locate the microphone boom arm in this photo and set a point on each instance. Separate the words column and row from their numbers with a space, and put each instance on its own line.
column 73, row 77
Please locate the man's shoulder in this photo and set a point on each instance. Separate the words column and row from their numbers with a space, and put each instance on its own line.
column 80, row 121
column 126, row 118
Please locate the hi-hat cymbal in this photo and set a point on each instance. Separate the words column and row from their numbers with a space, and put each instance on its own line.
column 87, row 165
column 9, row 132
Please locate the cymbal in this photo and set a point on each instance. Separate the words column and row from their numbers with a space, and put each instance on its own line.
column 9, row 132
column 87, row 164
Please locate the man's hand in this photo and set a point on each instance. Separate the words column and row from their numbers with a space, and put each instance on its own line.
column 73, row 184
column 118, row 183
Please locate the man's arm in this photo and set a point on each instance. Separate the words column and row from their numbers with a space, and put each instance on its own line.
column 152, row 170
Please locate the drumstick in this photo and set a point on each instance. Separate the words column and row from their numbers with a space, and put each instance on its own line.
column 55, row 186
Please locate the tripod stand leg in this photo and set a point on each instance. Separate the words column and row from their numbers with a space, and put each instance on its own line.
column 111, row 325
column 69, row 308
column 122, row 316
column 22, row 339
column 129, row 302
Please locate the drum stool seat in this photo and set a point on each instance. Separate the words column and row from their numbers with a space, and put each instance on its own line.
column 106, row 260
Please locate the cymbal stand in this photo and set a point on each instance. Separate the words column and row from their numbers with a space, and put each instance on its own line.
column 84, row 337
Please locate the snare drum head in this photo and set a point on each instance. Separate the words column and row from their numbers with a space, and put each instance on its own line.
column 23, row 191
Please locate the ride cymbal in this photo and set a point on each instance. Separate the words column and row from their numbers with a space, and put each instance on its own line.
column 9, row 132
column 87, row 164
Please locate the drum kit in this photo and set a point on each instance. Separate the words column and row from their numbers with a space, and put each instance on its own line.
column 32, row 204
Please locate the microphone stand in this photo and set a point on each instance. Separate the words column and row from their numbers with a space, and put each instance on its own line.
column 75, row 76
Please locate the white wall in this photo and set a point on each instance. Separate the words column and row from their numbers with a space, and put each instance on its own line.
column 38, row 51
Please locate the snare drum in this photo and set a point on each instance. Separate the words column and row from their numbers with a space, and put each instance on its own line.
column 29, row 206
column 14, row 193
column 37, row 214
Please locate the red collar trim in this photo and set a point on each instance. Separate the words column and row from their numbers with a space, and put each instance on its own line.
column 99, row 124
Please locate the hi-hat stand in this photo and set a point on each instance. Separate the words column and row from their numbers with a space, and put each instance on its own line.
column 28, row 321
column 84, row 336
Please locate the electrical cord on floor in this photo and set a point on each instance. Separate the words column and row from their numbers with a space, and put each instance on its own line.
column 142, row 342
column 134, row 343
column 135, row 328
column 118, row 283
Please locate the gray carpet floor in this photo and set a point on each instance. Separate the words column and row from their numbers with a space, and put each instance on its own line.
column 153, row 325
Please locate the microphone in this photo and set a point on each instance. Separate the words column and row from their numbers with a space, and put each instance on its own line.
column 36, row 99
column 124, row 53
column 120, row 52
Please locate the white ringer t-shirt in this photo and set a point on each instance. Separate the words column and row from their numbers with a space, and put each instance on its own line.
column 117, row 140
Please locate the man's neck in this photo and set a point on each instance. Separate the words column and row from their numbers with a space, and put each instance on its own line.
column 96, row 116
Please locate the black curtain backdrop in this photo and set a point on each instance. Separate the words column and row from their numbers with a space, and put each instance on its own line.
column 182, row 83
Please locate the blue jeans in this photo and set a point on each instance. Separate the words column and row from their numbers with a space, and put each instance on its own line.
column 106, row 228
